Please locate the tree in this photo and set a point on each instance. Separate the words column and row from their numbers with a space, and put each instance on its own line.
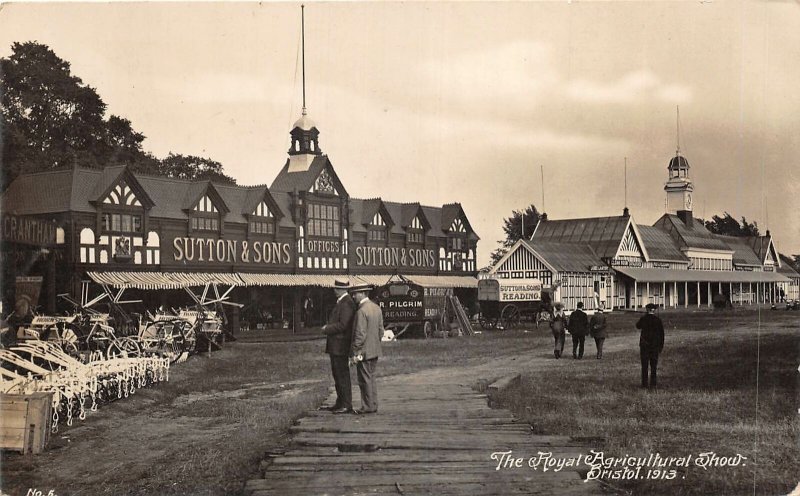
column 513, row 228
column 729, row 226
column 194, row 168
column 50, row 119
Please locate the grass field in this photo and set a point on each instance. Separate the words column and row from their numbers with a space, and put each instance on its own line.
column 706, row 401
column 206, row 430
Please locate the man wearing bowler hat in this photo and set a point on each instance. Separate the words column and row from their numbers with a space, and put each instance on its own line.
column 339, row 335
column 651, row 342
column 366, row 347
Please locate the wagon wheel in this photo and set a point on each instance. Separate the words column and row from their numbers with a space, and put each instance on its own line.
column 510, row 316
column 487, row 323
column 124, row 347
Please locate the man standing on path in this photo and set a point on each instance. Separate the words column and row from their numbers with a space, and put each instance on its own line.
column 651, row 342
column 366, row 347
column 597, row 328
column 339, row 335
column 558, row 324
column 578, row 327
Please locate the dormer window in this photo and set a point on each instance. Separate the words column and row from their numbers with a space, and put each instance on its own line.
column 376, row 230
column 121, row 223
column 415, row 233
column 205, row 216
column 457, row 237
column 261, row 220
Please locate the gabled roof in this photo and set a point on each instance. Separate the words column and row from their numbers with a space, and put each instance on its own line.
column 451, row 212
column 603, row 234
column 695, row 237
column 197, row 190
column 761, row 246
column 566, row 257
column 110, row 177
column 660, row 245
column 303, row 180
column 48, row 192
column 253, row 198
column 786, row 267
column 411, row 210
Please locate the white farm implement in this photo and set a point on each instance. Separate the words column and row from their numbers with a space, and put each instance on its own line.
column 41, row 366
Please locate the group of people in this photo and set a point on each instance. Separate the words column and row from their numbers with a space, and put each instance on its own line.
column 579, row 325
column 353, row 337
column 651, row 339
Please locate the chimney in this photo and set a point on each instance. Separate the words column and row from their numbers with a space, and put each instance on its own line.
column 768, row 233
column 626, row 212
column 543, row 216
column 686, row 217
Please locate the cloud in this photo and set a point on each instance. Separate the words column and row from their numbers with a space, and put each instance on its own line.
column 633, row 87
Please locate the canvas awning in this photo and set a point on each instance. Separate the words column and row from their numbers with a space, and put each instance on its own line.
column 177, row 280
column 163, row 280
column 721, row 276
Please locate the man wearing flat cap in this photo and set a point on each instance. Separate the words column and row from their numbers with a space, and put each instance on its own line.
column 339, row 334
column 366, row 347
column 651, row 342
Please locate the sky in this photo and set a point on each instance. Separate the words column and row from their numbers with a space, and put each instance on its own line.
column 463, row 102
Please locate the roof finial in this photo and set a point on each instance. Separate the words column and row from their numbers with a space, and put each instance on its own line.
column 303, row 50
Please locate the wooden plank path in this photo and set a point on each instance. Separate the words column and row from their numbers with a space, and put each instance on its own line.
column 433, row 434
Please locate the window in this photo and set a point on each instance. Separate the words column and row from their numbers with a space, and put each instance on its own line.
column 376, row 230
column 415, row 232
column 205, row 224
column 323, row 220
column 458, row 236
column 122, row 223
column 206, row 216
column 261, row 220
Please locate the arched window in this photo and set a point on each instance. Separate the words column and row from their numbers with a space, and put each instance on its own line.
column 87, row 247
column 153, row 250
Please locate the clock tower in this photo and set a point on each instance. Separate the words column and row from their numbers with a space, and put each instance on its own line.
column 679, row 187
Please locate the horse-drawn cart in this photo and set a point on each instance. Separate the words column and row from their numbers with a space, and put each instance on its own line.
column 506, row 302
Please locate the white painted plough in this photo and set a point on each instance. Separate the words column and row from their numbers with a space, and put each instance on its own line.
column 41, row 366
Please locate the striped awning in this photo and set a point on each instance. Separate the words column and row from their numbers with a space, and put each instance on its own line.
column 445, row 281
column 177, row 280
column 163, row 280
column 720, row 276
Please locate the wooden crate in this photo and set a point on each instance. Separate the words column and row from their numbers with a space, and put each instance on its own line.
column 25, row 421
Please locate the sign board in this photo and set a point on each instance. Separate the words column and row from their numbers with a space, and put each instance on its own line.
column 28, row 231
column 620, row 262
column 401, row 302
column 521, row 290
column 230, row 251
column 27, row 291
column 374, row 256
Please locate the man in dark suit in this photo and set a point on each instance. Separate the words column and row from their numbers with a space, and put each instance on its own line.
column 339, row 332
column 366, row 347
column 578, row 326
column 651, row 342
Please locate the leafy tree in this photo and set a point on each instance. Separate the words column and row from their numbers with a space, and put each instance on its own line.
column 729, row 226
column 50, row 119
column 513, row 228
column 194, row 168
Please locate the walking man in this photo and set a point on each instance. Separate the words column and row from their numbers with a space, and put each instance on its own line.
column 558, row 324
column 651, row 342
column 366, row 347
column 339, row 335
column 597, row 328
column 579, row 327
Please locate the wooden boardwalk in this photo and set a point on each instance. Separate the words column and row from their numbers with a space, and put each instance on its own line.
column 433, row 434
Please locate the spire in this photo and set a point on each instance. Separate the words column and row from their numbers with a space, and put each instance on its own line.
column 677, row 129
column 304, row 133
